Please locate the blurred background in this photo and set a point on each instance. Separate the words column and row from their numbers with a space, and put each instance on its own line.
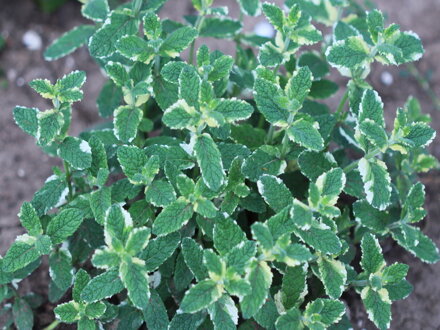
column 27, row 27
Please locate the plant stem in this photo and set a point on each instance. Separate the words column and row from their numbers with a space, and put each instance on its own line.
column 285, row 47
column 370, row 155
column 68, row 179
column 52, row 326
column 157, row 65
column 270, row 133
column 360, row 283
column 424, row 83
column 341, row 105
column 197, row 26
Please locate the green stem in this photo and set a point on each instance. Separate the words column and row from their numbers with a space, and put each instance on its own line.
column 369, row 155
column 270, row 134
column 285, row 47
column 360, row 283
column 341, row 105
column 69, row 180
column 157, row 65
column 424, row 83
column 52, row 326
column 197, row 26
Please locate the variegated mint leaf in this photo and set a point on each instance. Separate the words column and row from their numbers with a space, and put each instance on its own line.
column 377, row 182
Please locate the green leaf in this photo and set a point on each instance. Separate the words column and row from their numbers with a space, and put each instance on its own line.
column 413, row 240
column 250, row 7
column 60, row 268
column 64, row 225
column 349, row 53
column 27, row 119
column 264, row 160
column 173, row 217
column 152, row 25
column 374, row 133
column 177, row 41
column 193, row 254
column 76, row 152
column 103, row 42
column 109, row 99
column 260, row 276
column 159, row 250
column 52, row 194
column 137, row 240
column 378, row 306
column 274, row 14
column 102, row 286
column 377, row 182
column 323, row 89
column 420, row 134
column 49, row 126
column 132, row 160
column 270, row 55
column 371, row 217
column 189, row 86
column 274, row 192
column 313, row 164
column 135, row 49
column 262, row 235
column 30, row 220
column 126, row 122
column 330, row 311
column 95, row 10
column 100, row 202
column 321, row 238
column 298, row 86
column 330, row 185
column 227, row 235
column 155, row 315
column 375, row 22
column 81, row 280
column 201, row 296
column 117, row 222
column 241, row 255
column 306, row 134
column 23, row 315
column 268, row 99
column 410, row 45
column 224, row 314
column 95, row 310
column 213, row 263
column 160, row 193
column 180, row 115
column 209, row 159
column 294, row 286
column 291, row 320
column 333, row 275
column 21, row 253
column 135, row 279
column 233, row 109
column 371, row 107
column 372, row 259
column 395, row 273
column 68, row 312
column 219, row 27
column 69, row 42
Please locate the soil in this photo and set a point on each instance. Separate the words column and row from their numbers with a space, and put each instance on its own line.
column 24, row 167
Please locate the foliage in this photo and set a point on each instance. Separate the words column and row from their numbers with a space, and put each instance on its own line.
column 223, row 192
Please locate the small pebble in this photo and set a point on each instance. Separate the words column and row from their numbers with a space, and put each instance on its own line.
column 20, row 81
column 387, row 78
column 21, row 173
column 32, row 40
column 264, row 29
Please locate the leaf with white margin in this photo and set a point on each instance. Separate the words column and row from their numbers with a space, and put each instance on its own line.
column 377, row 182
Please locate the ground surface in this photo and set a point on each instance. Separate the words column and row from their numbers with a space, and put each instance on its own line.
column 24, row 167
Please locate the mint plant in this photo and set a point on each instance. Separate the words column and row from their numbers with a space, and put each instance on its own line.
column 223, row 192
